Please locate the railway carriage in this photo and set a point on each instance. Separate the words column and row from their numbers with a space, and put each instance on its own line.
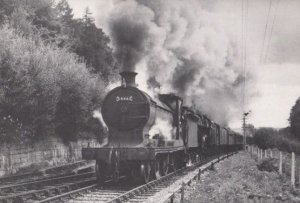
column 223, row 137
column 204, row 130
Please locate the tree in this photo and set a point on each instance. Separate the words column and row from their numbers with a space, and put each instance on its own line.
column 31, row 16
column 250, row 130
column 87, row 19
column 43, row 89
column 67, row 37
column 264, row 137
column 92, row 45
column 6, row 8
column 294, row 119
column 65, row 12
column 56, row 24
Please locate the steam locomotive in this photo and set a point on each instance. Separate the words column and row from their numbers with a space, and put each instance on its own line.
column 134, row 150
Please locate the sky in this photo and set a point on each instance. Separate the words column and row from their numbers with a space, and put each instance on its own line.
column 275, row 84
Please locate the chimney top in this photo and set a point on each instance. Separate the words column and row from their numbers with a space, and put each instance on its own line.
column 129, row 78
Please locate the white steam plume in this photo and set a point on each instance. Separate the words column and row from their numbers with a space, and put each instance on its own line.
column 162, row 127
column 97, row 114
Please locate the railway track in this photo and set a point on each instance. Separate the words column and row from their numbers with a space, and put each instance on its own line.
column 93, row 193
column 48, row 173
column 37, row 190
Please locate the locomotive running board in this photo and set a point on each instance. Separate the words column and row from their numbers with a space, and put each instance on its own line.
column 127, row 153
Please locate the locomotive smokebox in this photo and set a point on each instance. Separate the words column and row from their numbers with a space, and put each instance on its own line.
column 128, row 78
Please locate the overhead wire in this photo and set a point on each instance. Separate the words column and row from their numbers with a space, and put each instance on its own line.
column 244, row 48
column 244, row 61
column 245, row 52
column 242, row 53
column 271, row 33
column 265, row 32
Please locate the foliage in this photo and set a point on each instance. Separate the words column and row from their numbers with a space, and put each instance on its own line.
column 295, row 119
column 267, row 165
column 30, row 16
column 53, row 70
column 44, row 88
column 13, row 131
column 55, row 24
column 91, row 43
column 87, row 41
column 263, row 137
column 286, row 139
column 6, row 8
column 271, row 138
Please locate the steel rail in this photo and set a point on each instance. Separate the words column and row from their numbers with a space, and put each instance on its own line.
column 41, row 183
column 68, row 194
column 49, row 191
column 126, row 196
column 144, row 190
column 72, row 194
column 151, row 185
column 40, row 173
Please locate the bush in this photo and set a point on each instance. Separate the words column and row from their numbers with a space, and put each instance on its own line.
column 271, row 138
column 45, row 88
column 287, row 144
column 268, row 165
column 263, row 137
column 294, row 119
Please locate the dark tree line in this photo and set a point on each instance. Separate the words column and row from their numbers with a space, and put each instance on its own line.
column 56, row 23
column 295, row 119
column 53, row 70
column 286, row 139
column 88, row 41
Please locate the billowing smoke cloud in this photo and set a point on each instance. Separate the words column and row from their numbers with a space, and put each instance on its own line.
column 131, row 33
column 180, row 47
column 184, row 75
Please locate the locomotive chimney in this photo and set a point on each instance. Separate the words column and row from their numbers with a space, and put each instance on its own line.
column 128, row 77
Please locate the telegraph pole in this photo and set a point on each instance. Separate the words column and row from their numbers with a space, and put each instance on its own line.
column 244, row 128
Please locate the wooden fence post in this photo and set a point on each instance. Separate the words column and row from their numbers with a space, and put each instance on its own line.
column 2, row 162
column 199, row 174
column 280, row 163
column 261, row 154
column 293, row 170
column 258, row 156
column 182, row 193
column 172, row 199
column 266, row 155
column 271, row 153
column 299, row 175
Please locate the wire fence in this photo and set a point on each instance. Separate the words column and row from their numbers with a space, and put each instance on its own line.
column 287, row 164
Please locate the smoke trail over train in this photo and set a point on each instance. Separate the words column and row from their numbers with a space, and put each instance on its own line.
column 182, row 48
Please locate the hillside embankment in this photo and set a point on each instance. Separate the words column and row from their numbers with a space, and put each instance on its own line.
column 238, row 179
